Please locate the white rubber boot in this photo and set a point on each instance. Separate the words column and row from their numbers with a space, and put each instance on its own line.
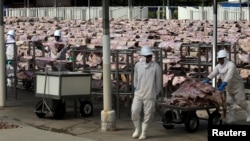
column 246, row 107
column 137, row 131
column 144, row 131
column 230, row 116
column 248, row 118
column 248, row 113
column 9, row 84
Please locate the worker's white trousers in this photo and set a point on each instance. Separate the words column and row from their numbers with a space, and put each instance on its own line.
column 148, row 107
column 239, row 98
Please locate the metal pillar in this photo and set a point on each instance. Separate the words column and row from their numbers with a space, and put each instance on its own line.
column 2, row 60
column 55, row 5
column 107, row 114
column 163, row 9
column 214, row 37
column 240, row 10
column 248, row 5
column 129, row 9
column 202, row 11
column 169, row 16
column 89, row 8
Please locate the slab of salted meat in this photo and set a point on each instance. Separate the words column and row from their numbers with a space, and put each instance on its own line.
column 42, row 62
column 243, row 57
column 244, row 73
column 193, row 93
column 94, row 60
column 6, row 125
column 167, row 45
column 244, row 44
column 166, row 79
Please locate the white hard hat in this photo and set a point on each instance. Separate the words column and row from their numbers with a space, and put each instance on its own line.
column 57, row 33
column 222, row 54
column 11, row 32
column 146, row 50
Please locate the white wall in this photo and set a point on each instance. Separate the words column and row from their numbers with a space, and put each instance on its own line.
column 242, row 1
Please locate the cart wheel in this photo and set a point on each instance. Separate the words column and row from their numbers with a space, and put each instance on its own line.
column 184, row 115
column 59, row 109
column 192, row 122
column 27, row 84
column 167, row 119
column 38, row 109
column 215, row 118
column 86, row 109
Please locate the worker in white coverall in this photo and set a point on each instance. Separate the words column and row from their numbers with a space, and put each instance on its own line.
column 57, row 51
column 10, row 45
column 147, row 85
column 232, row 81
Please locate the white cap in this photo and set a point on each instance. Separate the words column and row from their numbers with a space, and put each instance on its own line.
column 146, row 50
column 57, row 33
column 222, row 54
column 11, row 32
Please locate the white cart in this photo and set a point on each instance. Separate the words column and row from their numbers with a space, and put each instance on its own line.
column 55, row 87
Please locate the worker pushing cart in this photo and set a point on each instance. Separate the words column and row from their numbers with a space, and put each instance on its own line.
column 233, row 83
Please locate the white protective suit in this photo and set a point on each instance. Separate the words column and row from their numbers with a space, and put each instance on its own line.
column 147, row 81
column 61, row 55
column 10, row 47
column 235, row 88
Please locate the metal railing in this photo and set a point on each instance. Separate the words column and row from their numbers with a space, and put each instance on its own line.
column 86, row 13
column 81, row 13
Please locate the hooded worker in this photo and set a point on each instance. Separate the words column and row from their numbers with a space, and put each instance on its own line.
column 232, row 81
column 147, row 85
column 59, row 50
column 57, row 35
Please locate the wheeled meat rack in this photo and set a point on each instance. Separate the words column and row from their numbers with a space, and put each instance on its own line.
column 172, row 115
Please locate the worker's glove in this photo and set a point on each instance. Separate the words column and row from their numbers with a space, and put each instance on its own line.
column 158, row 96
column 206, row 81
column 134, row 88
column 222, row 86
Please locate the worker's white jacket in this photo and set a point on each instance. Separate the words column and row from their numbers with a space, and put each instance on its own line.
column 10, row 47
column 147, row 80
column 59, row 55
column 228, row 73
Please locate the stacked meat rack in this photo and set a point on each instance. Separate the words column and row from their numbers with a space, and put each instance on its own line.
column 201, row 56
column 23, row 65
column 195, row 61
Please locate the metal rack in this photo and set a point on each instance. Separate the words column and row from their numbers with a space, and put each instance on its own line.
column 30, row 59
column 199, row 49
column 31, row 52
column 127, row 71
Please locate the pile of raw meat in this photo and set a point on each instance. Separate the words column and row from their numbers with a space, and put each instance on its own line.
column 192, row 93
column 5, row 125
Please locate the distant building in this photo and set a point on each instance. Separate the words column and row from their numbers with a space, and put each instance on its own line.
column 234, row 3
column 242, row 1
